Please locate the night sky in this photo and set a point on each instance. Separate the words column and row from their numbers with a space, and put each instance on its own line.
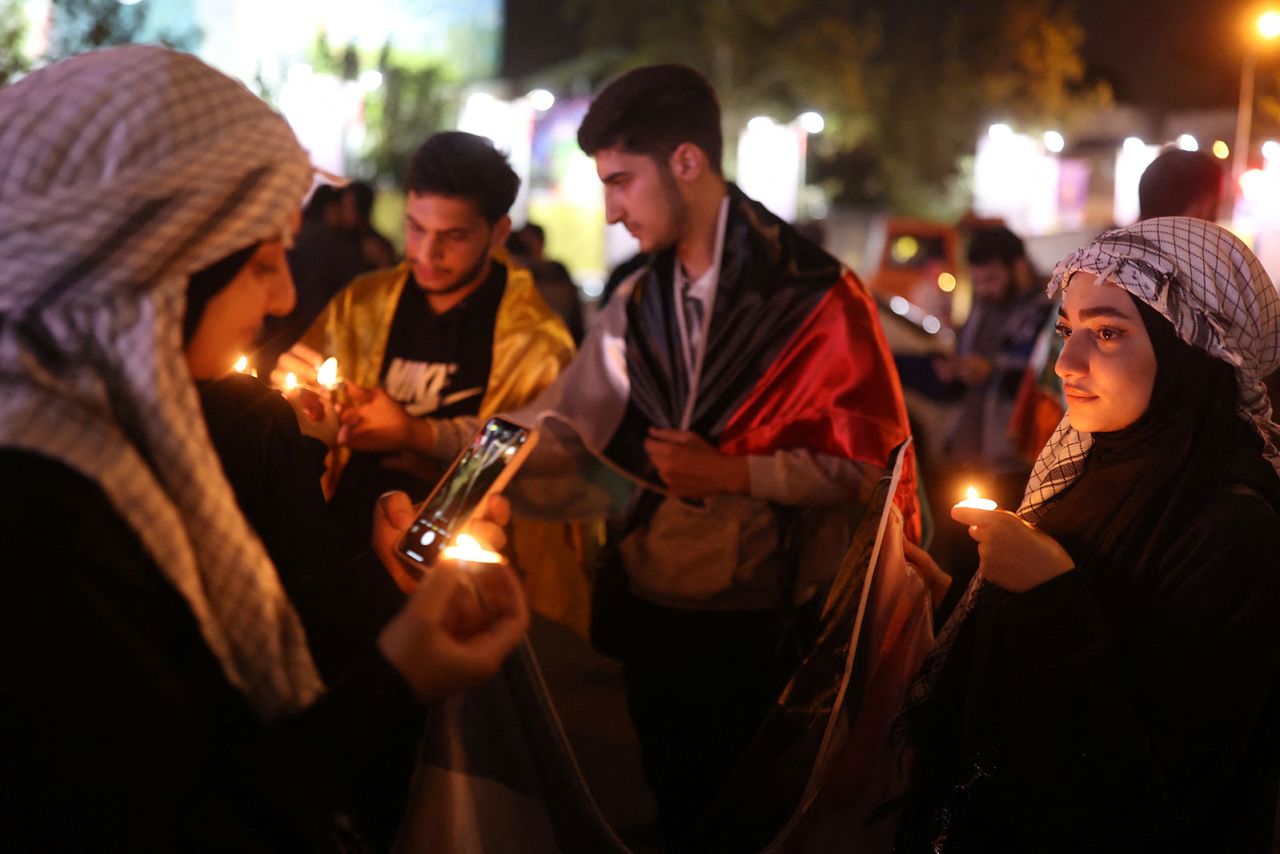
column 1165, row 55
column 1159, row 54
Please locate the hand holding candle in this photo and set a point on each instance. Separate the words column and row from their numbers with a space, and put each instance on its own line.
column 1012, row 553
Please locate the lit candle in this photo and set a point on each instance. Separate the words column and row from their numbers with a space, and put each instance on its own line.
column 290, row 381
column 241, row 365
column 327, row 378
column 327, row 373
column 466, row 549
column 975, row 501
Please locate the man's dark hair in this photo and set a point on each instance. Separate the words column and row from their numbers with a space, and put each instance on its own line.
column 1177, row 179
column 515, row 244
column 323, row 196
column 362, row 192
column 534, row 229
column 995, row 243
column 465, row 166
column 652, row 111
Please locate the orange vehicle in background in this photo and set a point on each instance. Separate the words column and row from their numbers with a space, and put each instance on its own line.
column 921, row 284
column 920, row 262
column 923, row 262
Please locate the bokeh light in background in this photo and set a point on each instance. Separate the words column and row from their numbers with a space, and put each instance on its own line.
column 1269, row 24
column 812, row 122
column 541, row 100
column 771, row 164
column 1016, row 178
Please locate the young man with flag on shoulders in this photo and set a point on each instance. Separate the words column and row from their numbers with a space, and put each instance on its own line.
column 741, row 384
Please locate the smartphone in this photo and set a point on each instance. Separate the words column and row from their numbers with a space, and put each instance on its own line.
column 483, row 469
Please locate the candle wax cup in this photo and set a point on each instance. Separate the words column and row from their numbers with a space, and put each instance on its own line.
column 471, row 556
column 977, row 503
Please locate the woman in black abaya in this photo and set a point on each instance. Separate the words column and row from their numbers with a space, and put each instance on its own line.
column 1109, row 681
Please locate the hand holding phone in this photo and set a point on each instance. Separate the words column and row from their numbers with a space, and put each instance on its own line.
column 483, row 469
column 458, row 625
column 395, row 513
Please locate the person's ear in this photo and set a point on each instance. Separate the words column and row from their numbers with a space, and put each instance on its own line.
column 499, row 233
column 687, row 162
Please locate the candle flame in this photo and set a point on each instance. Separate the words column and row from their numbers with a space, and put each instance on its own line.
column 290, row 381
column 241, row 365
column 467, row 548
column 327, row 374
column 973, row 499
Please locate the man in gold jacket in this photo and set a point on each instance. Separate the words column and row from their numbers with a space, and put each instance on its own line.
column 431, row 348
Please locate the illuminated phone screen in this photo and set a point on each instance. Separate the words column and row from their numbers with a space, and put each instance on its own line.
column 455, row 500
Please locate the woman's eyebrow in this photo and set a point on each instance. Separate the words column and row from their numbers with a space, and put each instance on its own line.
column 1103, row 311
column 1100, row 311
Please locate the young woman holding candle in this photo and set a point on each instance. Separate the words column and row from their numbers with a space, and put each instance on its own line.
column 1108, row 683
column 156, row 689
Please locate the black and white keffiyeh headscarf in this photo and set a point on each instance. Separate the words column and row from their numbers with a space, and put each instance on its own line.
column 1211, row 288
column 121, row 173
column 1208, row 284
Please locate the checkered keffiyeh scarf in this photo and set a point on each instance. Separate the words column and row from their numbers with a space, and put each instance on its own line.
column 121, row 173
column 1213, row 290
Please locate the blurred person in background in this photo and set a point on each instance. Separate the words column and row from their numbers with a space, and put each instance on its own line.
column 992, row 350
column 553, row 279
column 985, row 447
column 375, row 248
column 1181, row 183
column 157, row 688
column 325, row 256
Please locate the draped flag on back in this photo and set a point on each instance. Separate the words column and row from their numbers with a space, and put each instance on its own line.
column 499, row 765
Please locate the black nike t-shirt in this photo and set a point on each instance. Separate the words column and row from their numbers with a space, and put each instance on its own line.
column 436, row 366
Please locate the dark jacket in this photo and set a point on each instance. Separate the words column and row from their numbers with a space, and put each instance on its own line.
column 1115, row 708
